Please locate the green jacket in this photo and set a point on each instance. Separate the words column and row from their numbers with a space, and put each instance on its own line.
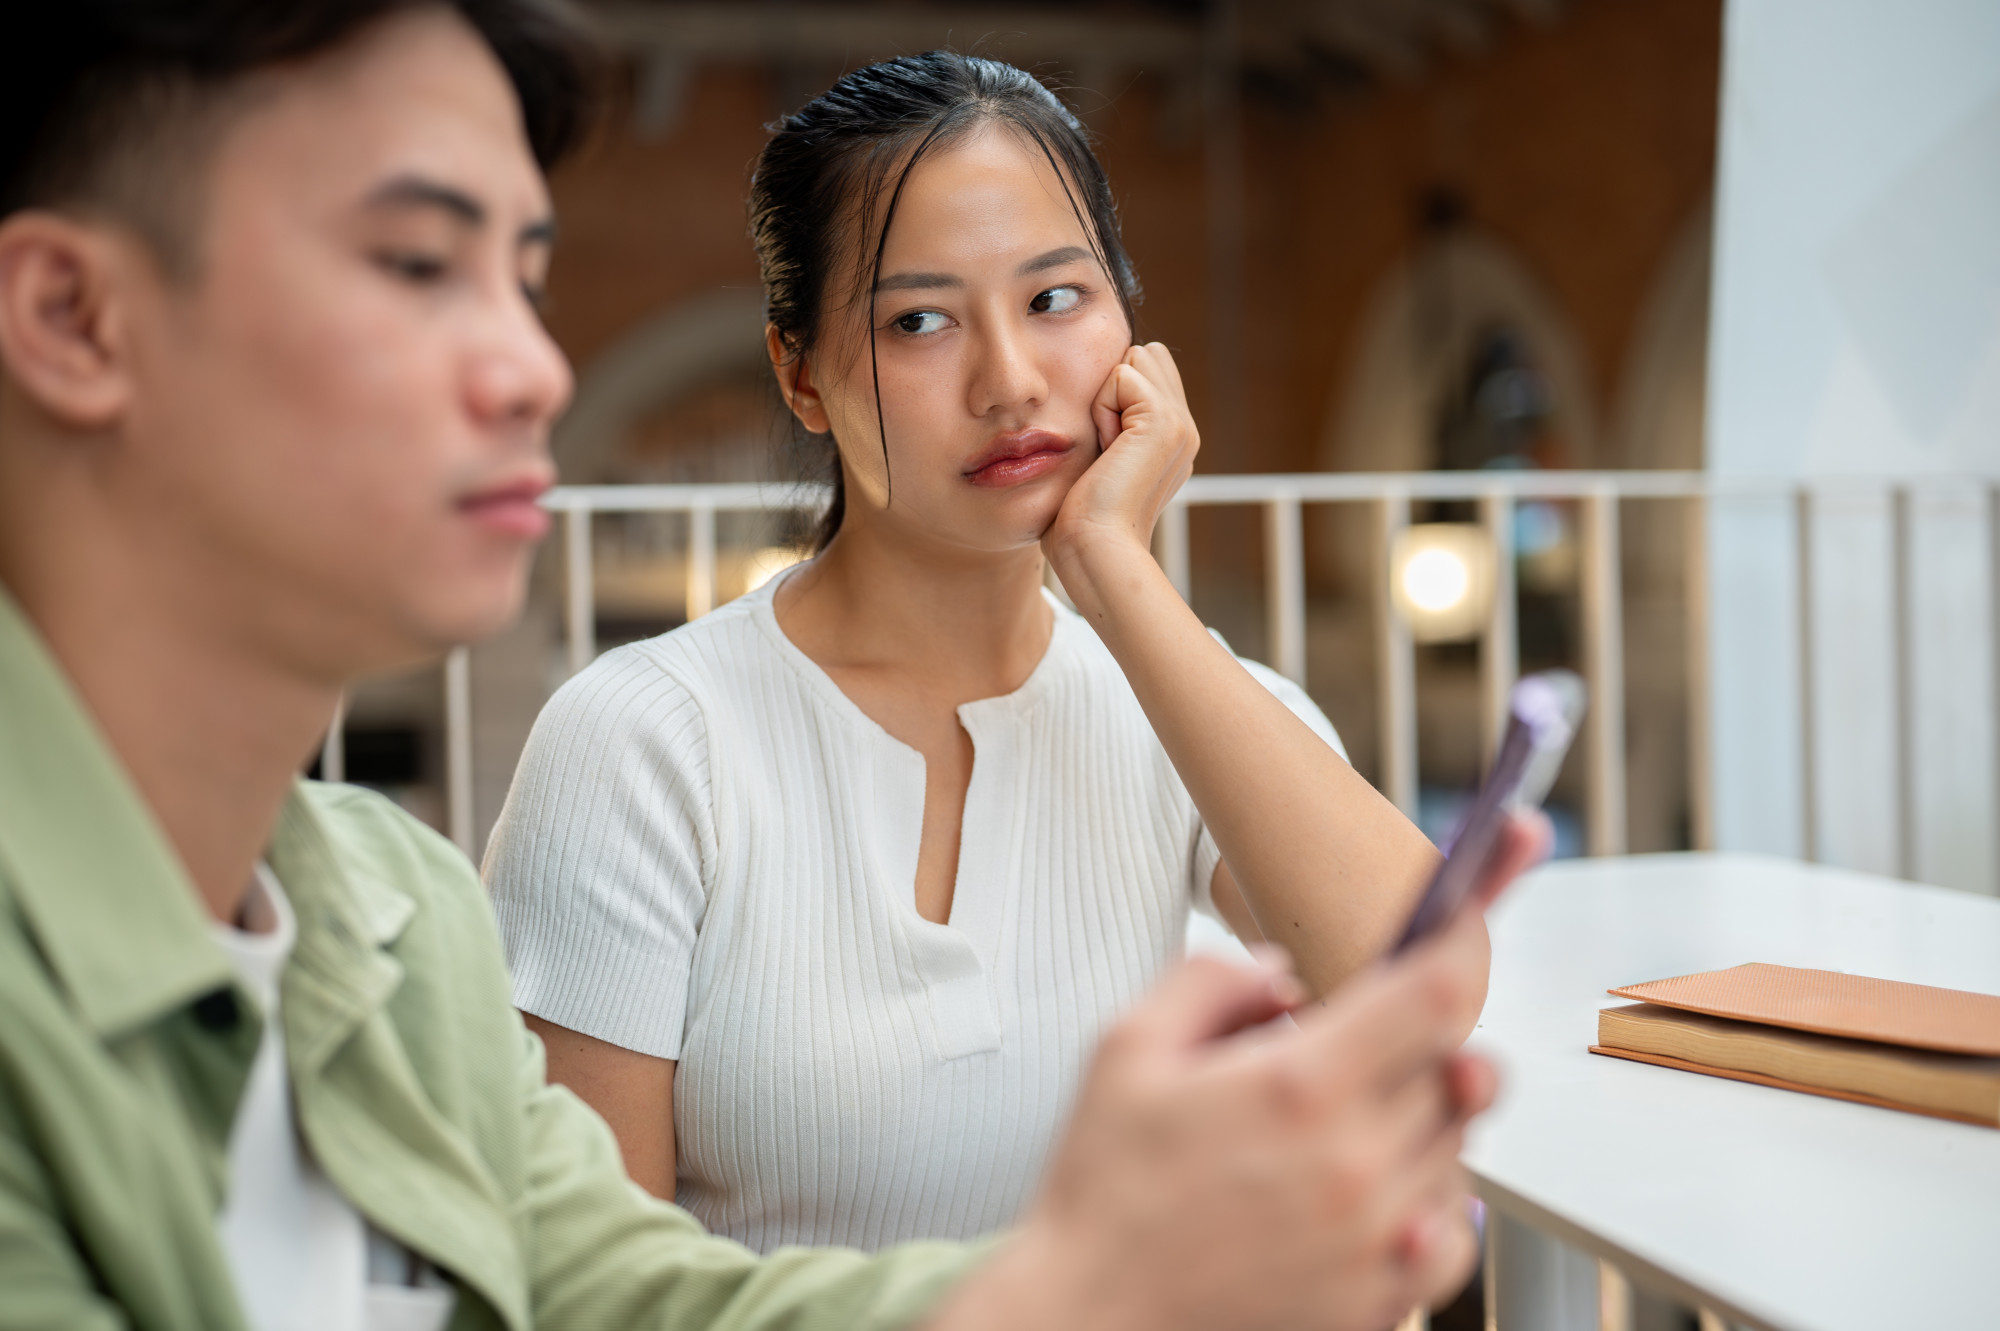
column 125, row 1044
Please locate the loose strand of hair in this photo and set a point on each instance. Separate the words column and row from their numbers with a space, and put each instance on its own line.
column 875, row 280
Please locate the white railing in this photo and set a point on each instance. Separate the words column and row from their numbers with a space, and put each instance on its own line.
column 1388, row 497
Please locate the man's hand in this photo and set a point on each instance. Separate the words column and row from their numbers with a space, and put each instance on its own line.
column 1215, row 1176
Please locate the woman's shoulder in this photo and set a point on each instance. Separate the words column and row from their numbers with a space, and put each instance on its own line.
column 703, row 658
column 663, row 687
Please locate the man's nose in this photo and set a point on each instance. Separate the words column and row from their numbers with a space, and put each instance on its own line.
column 520, row 376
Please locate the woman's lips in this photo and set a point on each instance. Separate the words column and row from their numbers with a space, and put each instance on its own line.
column 510, row 510
column 1017, row 458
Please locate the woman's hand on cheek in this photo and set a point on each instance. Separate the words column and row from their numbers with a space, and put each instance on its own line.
column 1148, row 441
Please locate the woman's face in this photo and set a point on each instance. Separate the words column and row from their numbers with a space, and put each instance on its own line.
column 994, row 328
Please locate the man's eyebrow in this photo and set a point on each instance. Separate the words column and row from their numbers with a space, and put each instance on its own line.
column 1054, row 259
column 919, row 282
column 417, row 192
column 410, row 192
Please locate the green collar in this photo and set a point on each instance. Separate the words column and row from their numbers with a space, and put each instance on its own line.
column 113, row 910
column 101, row 888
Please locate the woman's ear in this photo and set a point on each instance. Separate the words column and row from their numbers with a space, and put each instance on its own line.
column 62, row 324
column 795, row 382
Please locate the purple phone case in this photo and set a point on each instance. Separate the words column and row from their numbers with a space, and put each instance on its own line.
column 1542, row 712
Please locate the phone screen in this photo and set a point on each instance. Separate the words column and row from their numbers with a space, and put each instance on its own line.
column 1542, row 715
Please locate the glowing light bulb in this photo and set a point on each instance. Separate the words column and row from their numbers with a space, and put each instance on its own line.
column 1436, row 580
column 1442, row 577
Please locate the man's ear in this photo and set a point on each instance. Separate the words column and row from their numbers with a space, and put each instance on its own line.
column 62, row 328
column 795, row 382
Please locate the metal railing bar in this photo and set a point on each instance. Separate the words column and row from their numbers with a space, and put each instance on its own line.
column 701, row 561
column 1902, row 615
column 458, row 748
column 1499, row 647
column 1694, row 593
column 1604, row 668
column 1307, row 487
column 1170, row 539
column 1285, row 587
column 1802, row 510
column 1395, row 665
column 722, row 497
column 580, row 590
column 1614, row 1298
column 333, row 749
column 1336, row 487
column 1993, row 626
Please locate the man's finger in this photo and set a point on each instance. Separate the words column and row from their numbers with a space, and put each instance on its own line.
column 1394, row 1020
column 1524, row 842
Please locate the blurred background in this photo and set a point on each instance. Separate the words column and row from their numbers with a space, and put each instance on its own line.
column 1380, row 235
column 1655, row 338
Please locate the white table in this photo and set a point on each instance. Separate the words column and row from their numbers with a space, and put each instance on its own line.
column 1778, row 1210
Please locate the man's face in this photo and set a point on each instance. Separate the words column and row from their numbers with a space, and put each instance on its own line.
column 343, row 415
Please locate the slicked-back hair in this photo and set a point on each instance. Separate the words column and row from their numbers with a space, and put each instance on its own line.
column 112, row 86
column 819, row 184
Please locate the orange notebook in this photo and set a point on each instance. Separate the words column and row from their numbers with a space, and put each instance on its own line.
column 1902, row 1046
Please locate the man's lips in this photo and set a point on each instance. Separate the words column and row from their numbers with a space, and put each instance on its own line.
column 511, row 508
column 1019, row 456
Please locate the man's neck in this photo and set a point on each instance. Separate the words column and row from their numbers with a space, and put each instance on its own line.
column 211, row 731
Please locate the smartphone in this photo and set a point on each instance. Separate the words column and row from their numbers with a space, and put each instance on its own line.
column 1543, row 712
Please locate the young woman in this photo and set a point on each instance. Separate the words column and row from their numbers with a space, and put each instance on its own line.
column 823, row 899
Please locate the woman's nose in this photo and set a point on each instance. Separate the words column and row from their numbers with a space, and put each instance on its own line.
column 1007, row 374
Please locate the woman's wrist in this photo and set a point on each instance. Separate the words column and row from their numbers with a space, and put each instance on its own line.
column 1102, row 569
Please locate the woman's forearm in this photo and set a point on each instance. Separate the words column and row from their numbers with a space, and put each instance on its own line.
column 1326, row 865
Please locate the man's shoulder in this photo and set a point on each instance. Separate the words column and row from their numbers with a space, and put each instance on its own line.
column 374, row 837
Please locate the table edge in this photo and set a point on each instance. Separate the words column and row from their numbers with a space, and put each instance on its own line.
column 1655, row 1279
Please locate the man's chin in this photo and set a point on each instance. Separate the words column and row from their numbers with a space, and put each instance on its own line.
column 432, row 631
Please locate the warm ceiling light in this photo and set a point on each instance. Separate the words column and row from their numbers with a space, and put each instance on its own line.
column 1442, row 576
column 1436, row 581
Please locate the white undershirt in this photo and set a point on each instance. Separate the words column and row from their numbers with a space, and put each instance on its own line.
column 709, row 854
column 302, row 1256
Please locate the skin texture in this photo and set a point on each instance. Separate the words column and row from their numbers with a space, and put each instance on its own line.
column 993, row 317
column 225, row 497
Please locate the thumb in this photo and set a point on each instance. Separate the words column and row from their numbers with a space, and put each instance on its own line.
column 1524, row 842
column 1205, row 999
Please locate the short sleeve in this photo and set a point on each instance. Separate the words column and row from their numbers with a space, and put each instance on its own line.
column 1208, row 855
column 596, row 866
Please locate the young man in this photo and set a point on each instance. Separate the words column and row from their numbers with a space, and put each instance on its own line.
column 274, row 408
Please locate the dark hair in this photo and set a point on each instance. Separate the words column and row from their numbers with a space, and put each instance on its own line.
column 819, row 181
column 99, row 75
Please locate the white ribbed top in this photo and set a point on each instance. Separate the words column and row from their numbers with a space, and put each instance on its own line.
column 709, row 854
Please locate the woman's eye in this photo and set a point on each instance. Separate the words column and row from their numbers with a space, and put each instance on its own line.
column 412, row 266
column 918, row 322
column 1056, row 300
